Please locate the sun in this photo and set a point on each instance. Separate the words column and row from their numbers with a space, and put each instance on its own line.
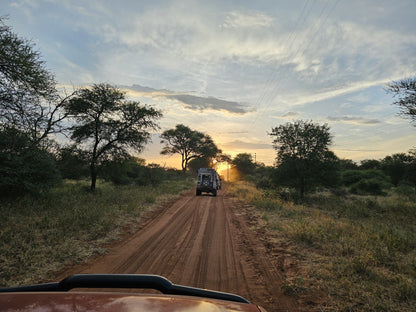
column 222, row 168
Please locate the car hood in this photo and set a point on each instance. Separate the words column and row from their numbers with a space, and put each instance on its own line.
column 106, row 302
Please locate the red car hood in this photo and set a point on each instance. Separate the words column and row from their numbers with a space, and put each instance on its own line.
column 106, row 302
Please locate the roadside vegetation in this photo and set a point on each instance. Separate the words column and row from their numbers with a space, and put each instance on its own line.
column 68, row 224
column 351, row 226
column 359, row 250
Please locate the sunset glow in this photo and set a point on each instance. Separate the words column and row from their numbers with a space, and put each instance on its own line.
column 236, row 69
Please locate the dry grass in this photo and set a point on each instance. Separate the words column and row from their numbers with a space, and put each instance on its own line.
column 69, row 224
column 361, row 251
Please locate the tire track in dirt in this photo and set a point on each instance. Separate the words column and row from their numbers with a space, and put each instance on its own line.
column 199, row 241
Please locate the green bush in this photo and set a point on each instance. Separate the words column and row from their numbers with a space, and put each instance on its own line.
column 155, row 174
column 407, row 190
column 350, row 177
column 123, row 172
column 263, row 182
column 133, row 170
column 72, row 163
column 24, row 166
column 368, row 186
column 365, row 182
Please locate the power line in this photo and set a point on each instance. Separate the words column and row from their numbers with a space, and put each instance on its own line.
column 289, row 40
column 267, row 98
column 301, row 49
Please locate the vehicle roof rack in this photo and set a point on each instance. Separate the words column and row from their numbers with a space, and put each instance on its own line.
column 143, row 281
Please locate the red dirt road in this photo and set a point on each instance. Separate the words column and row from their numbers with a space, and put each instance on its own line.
column 199, row 241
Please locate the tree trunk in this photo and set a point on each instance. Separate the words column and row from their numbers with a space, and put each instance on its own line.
column 302, row 191
column 302, row 188
column 183, row 164
column 93, row 171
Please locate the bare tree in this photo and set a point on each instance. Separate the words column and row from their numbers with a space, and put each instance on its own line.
column 405, row 92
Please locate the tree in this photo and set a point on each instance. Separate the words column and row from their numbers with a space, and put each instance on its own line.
column 347, row 164
column 107, row 125
column 398, row 167
column 222, row 157
column 196, row 163
column 367, row 164
column 29, row 100
column 24, row 166
column 405, row 91
column 126, row 170
column 190, row 144
column 243, row 162
column 72, row 162
column 303, row 158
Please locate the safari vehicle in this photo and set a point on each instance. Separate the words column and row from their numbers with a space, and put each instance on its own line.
column 208, row 181
column 56, row 296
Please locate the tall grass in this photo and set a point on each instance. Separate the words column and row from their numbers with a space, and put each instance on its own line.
column 69, row 224
column 361, row 251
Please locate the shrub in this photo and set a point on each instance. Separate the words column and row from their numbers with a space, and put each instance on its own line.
column 126, row 171
column 263, row 182
column 133, row 170
column 405, row 188
column 350, row 177
column 368, row 186
column 72, row 163
column 363, row 182
column 155, row 174
column 24, row 166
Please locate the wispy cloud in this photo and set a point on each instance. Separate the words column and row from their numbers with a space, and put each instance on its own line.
column 242, row 145
column 290, row 115
column 193, row 102
column 244, row 20
column 338, row 91
column 354, row 120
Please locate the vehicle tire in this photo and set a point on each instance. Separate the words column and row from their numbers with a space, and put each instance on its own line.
column 214, row 192
column 198, row 192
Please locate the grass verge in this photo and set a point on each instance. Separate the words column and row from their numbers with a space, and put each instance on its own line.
column 70, row 224
column 359, row 251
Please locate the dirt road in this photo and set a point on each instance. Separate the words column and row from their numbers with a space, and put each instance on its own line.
column 199, row 241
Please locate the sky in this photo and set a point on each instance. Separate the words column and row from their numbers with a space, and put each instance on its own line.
column 237, row 69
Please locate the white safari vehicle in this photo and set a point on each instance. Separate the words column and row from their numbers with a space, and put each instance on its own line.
column 208, row 181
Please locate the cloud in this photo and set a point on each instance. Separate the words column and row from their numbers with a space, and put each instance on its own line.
column 290, row 114
column 193, row 102
column 242, row 20
column 241, row 145
column 355, row 120
column 142, row 89
column 187, row 46
column 337, row 91
column 201, row 103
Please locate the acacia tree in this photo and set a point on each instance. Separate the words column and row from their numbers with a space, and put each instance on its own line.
column 190, row 144
column 29, row 101
column 405, row 91
column 30, row 110
column 303, row 158
column 107, row 125
column 244, row 163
